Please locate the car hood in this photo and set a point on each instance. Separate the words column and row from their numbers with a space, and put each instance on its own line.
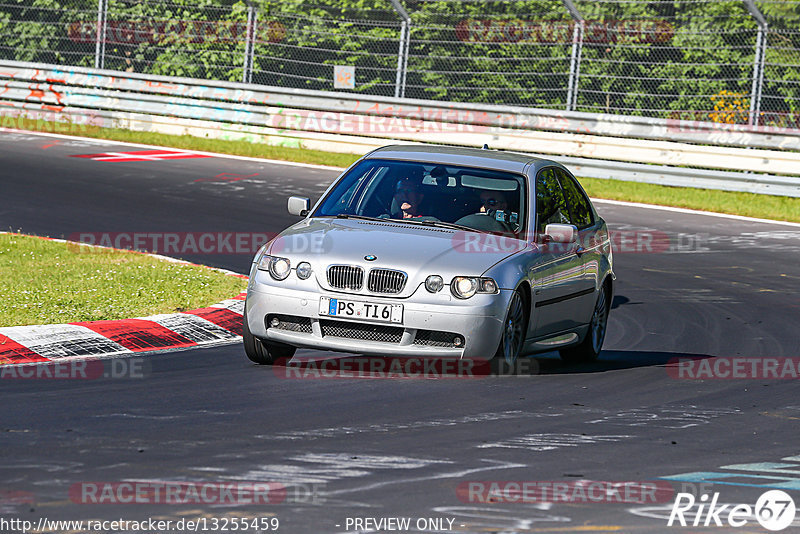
column 419, row 251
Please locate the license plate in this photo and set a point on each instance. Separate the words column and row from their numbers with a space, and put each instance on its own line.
column 389, row 313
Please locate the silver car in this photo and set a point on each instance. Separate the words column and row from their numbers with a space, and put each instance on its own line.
column 436, row 251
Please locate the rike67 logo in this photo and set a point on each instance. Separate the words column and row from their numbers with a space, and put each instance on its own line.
column 774, row 510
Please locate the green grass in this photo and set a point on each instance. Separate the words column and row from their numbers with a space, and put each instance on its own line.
column 44, row 282
column 187, row 142
column 238, row 148
column 748, row 204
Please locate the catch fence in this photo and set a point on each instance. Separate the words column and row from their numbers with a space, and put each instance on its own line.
column 723, row 61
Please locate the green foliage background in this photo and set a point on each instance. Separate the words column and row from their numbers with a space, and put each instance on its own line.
column 707, row 54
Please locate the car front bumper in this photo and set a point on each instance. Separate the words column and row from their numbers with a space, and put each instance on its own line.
column 478, row 321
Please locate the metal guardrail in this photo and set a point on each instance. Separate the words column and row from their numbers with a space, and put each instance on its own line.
column 601, row 146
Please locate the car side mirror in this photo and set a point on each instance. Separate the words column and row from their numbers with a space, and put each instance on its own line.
column 561, row 233
column 299, row 206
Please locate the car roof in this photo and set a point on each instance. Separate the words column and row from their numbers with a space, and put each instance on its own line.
column 450, row 155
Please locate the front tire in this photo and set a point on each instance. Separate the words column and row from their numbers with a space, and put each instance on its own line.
column 514, row 329
column 590, row 347
column 261, row 352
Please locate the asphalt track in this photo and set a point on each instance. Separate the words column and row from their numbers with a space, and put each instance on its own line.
column 401, row 448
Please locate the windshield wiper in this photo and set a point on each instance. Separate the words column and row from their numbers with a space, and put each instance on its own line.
column 439, row 224
column 360, row 217
column 454, row 226
column 442, row 224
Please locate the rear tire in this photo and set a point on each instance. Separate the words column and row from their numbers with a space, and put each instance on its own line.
column 261, row 352
column 592, row 344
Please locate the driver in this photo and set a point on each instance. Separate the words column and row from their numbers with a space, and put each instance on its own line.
column 492, row 201
column 408, row 196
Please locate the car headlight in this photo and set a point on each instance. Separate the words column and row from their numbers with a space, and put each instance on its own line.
column 279, row 268
column 434, row 283
column 303, row 270
column 463, row 287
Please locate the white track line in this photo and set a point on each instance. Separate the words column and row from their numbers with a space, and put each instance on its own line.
column 140, row 145
column 330, row 168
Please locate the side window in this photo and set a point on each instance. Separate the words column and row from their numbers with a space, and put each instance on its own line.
column 579, row 207
column 550, row 204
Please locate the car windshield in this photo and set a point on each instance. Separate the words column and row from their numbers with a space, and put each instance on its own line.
column 478, row 199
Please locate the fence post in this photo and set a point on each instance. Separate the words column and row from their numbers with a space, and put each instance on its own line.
column 400, row 54
column 249, row 43
column 100, row 37
column 402, row 51
column 405, row 61
column 575, row 55
column 758, row 63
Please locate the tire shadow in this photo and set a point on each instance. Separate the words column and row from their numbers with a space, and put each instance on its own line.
column 612, row 360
